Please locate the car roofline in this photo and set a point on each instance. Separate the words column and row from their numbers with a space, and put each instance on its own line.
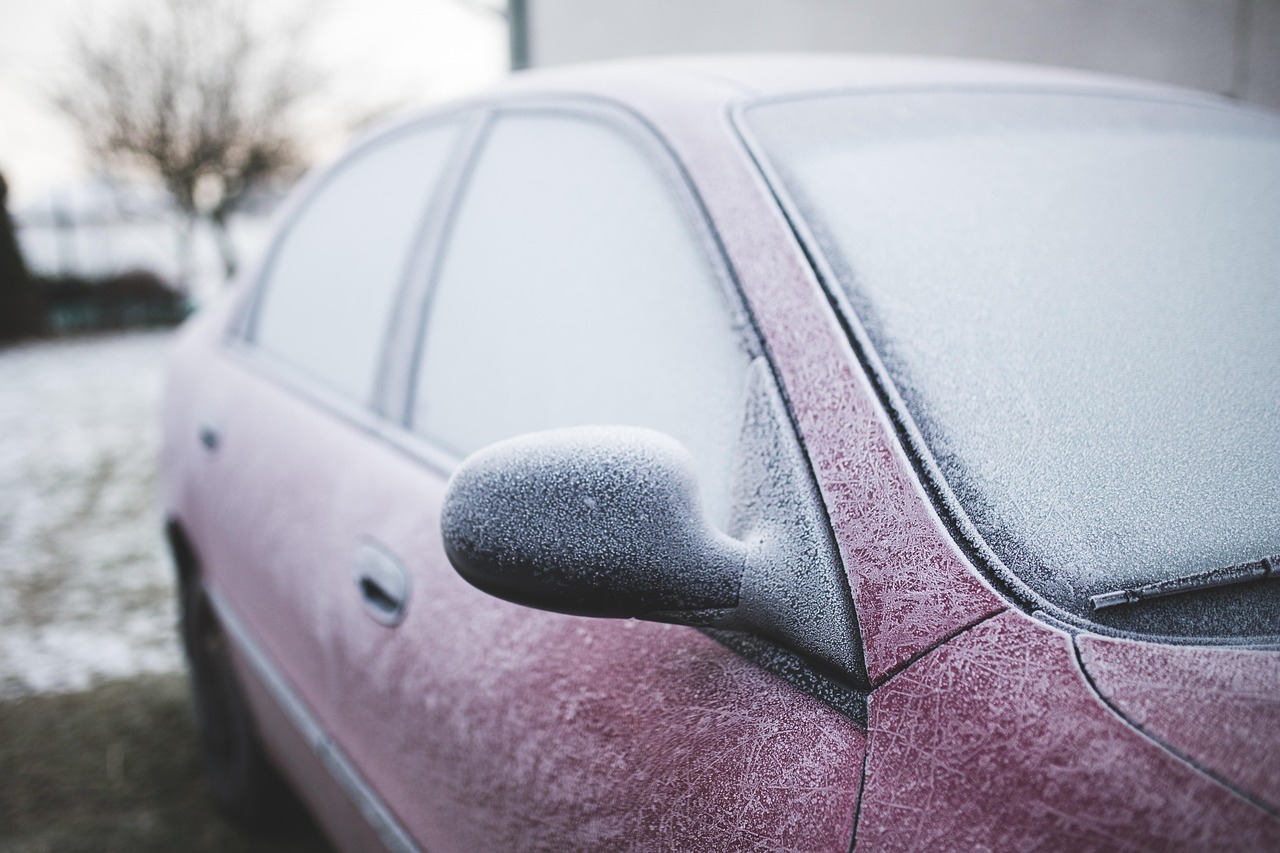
column 722, row 81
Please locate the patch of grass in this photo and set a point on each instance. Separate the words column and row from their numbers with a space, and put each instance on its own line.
column 116, row 768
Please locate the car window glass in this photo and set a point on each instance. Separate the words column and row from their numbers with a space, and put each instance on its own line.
column 574, row 291
column 334, row 276
column 1075, row 296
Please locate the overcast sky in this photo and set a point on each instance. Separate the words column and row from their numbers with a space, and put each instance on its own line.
column 376, row 51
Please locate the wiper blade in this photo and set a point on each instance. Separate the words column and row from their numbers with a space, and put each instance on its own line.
column 1242, row 573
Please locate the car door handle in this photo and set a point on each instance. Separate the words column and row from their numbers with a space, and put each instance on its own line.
column 209, row 436
column 382, row 582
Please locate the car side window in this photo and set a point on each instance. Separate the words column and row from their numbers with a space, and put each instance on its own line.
column 575, row 288
column 332, row 280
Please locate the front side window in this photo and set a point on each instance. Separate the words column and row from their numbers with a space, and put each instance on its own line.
column 334, row 276
column 574, row 290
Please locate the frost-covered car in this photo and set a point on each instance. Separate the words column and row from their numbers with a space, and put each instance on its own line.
column 921, row 417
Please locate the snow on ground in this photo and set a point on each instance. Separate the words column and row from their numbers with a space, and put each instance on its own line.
column 86, row 591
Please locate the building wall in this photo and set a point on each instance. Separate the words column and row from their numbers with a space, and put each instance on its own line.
column 1227, row 46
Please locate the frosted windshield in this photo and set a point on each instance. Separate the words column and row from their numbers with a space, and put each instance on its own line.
column 1078, row 300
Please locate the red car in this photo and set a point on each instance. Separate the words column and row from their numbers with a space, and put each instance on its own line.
column 921, row 416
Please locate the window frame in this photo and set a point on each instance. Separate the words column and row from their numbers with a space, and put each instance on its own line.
column 238, row 339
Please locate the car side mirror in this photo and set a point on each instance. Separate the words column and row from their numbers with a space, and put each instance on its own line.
column 607, row 521
column 592, row 521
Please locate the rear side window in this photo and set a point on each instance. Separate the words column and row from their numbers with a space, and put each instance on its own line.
column 577, row 288
column 333, row 278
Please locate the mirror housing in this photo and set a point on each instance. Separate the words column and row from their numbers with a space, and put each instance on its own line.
column 606, row 521
column 592, row 521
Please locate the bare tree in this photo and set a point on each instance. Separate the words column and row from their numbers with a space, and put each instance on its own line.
column 198, row 94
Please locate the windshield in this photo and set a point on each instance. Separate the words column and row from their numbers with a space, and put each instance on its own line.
column 1077, row 300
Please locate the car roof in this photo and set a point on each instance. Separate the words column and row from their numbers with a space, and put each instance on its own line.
column 749, row 76
column 668, row 90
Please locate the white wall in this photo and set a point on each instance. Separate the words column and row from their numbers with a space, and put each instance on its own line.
column 1225, row 46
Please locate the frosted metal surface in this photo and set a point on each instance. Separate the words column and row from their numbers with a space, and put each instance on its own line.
column 574, row 292
column 334, row 276
column 1078, row 300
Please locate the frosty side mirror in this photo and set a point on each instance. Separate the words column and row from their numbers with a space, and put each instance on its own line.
column 593, row 521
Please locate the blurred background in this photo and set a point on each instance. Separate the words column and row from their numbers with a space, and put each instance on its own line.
column 145, row 146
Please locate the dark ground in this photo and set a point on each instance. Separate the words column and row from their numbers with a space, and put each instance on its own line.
column 115, row 768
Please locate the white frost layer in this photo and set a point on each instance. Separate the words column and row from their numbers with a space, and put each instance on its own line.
column 86, row 591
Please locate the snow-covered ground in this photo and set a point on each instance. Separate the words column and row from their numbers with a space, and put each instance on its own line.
column 86, row 592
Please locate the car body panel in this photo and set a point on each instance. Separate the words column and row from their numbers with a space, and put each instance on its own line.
column 271, row 546
column 997, row 741
column 780, row 74
column 1209, row 704
column 202, row 384
column 319, row 773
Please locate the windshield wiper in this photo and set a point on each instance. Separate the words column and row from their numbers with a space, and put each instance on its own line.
column 1242, row 573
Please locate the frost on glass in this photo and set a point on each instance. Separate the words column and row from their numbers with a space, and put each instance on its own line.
column 1078, row 299
column 573, row 292
column 333, row 279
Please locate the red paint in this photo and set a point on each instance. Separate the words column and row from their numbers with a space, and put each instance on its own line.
column 490, row 726
column 1218, row 707
column 996, row 741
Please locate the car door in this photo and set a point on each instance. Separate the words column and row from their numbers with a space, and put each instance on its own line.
column 283, row 401
column 577, row 283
